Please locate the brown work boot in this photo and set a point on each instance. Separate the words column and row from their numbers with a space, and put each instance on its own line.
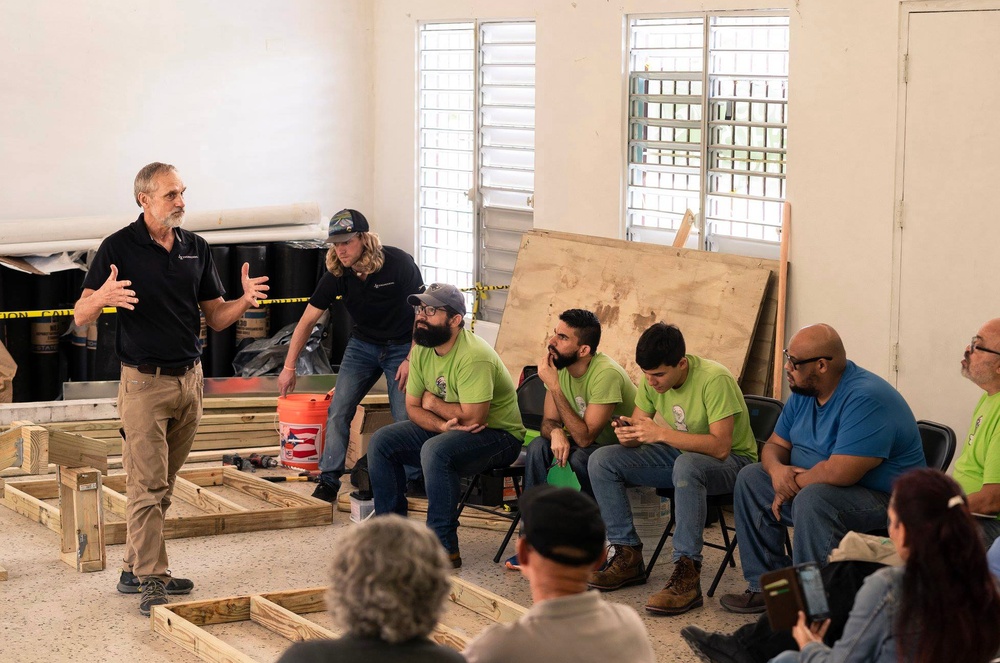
column 623, row 568
column 681, row 593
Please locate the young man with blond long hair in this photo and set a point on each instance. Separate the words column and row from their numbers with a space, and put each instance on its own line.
column 374, row 281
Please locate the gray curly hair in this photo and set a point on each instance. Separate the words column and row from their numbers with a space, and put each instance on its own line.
column 388, row 580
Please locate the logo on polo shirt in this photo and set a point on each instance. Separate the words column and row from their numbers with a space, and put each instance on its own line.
column 194, row 257
column 382, row 285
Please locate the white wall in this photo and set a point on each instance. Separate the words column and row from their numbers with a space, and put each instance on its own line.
column 257, row 102
column 842, row 108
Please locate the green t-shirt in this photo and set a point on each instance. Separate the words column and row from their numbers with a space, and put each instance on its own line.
column 979, row 462
column 471, row 372
column 709, row 394
column 604, row 382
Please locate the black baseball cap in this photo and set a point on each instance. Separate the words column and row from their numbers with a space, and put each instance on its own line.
column 562, row 524
column 345, row 224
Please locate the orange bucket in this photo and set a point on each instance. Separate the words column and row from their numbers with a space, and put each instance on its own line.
column 302, row 429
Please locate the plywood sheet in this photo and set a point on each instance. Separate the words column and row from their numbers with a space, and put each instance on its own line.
column 715, row 299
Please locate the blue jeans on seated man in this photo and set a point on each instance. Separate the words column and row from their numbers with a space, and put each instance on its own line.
column 822, row 514
column 360, row 369
column 693, row 476
column 539, row 459
column 445, row 458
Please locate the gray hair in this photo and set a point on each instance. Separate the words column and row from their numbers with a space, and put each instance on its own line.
column 144, row 180
column 388, row 580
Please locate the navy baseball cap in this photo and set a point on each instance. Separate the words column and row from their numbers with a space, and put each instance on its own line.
column 345, row 224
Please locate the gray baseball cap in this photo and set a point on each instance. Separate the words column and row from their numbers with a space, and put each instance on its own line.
column 440, row 294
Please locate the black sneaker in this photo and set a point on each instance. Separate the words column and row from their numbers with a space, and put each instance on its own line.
column 714, row 647
column 154, row 592
column 128, row 583
column 326, row 492
column 456, row 559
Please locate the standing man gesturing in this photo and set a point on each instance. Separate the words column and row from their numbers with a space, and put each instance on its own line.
column 158, row 276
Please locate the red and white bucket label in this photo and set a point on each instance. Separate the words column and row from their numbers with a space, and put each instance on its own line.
column 299, row 443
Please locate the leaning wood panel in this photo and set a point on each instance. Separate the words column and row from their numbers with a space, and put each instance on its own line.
column 716, row 301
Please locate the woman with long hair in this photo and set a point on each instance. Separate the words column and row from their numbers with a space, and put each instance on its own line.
column 942, row 605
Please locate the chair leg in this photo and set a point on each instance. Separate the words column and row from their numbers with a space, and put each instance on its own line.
column 506, row 539
column 788, row 545
column 663, row 539
column 725, row 534
column 728, row 559
column 465, row 498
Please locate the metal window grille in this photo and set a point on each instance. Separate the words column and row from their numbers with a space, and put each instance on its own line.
column 476, row 104
column 707, row 124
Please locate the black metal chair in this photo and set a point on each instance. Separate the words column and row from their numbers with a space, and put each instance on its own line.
column 531, row 402
column 939, row 443
column 764, row 413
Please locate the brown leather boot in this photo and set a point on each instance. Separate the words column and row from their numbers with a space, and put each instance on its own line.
column 624, row 568
column 682, row 592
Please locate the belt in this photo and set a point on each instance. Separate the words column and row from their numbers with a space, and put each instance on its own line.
column 173, row 371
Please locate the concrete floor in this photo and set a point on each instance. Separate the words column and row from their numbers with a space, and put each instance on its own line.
column 49, row 612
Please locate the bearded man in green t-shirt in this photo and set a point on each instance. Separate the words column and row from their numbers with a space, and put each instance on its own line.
column 463, row 415
column 706, row 441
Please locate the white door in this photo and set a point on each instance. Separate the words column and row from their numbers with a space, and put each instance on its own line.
column 949, row 265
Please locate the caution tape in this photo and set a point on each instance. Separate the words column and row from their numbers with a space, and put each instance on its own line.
column 68, row 312
column 480, row 295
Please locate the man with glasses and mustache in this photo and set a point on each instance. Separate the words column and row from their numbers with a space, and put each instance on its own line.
column 843, row 437
column 463, row 416
column 159, row 277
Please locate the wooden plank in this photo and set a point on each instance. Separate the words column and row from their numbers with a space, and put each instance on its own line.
column 82, row 518
column 681, row 237
column 714, row 299
column 3, row 574
column 196, row 640
column 203, row 499
column 213, row 611
column 31, row 507
column 267, row 491
column 114, row 502
column 71, row 450
column 10, row 442
column 417, row 510
column 204, row 476
column 484, row 602
column 286, row 623
column 36, row 449
column 448, row 637
column 211, row 524
column 299, row 601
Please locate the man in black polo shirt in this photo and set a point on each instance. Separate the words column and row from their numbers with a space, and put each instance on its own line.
column 374, row 281
column 158, row 276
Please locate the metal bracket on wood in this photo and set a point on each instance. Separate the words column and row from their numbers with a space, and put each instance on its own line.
column 81, row 545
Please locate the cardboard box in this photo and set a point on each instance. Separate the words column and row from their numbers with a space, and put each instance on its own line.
column 363, row 426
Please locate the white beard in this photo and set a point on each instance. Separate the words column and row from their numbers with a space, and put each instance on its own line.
column 175, row 220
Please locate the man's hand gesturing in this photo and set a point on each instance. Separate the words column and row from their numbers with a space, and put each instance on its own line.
column 117, row 293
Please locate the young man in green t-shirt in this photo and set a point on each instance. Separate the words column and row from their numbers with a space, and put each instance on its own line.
column 463, row 415
column 706, row 441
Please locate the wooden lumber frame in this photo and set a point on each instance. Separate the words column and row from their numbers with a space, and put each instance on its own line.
column 417, row 509
column 81, row 518
column 225, row 517
column 25, row 447
column 281, row 613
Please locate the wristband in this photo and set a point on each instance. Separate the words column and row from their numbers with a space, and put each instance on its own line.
column 289, row 368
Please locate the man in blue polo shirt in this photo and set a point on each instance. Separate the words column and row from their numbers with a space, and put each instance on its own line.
column 843, row 437
column 374, row 281
column 158, row 276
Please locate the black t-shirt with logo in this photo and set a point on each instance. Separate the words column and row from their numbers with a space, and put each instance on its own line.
column 377, row 304
column 163, row 329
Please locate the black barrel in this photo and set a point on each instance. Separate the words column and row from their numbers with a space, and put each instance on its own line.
column 221, row 345
column 294, row 276
column 107, row 366
column 252, row 324
column 17, row 291
column 49, row 293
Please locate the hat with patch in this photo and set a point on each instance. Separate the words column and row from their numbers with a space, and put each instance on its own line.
column 440, row 294
column 345, row 224
column 562, row 524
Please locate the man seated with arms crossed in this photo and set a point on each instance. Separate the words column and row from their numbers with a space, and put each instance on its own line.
column 843, row 437
column 699, row 452
column 463, row 414
column 561, row 542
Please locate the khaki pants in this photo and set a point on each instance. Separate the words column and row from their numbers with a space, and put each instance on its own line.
column 160, row 415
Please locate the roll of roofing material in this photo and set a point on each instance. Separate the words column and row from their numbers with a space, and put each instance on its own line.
column 221, row 344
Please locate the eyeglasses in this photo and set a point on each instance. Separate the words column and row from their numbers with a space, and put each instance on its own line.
column 974, row 345
column 798, row 362
column 420, row 309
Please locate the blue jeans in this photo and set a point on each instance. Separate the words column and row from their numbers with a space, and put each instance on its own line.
column 360, row 369
column 539, row 459
column 693, row 476
column 824, row 514
column 445, row 459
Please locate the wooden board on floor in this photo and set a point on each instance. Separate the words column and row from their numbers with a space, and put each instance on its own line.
column 716, row 299
column 289, row 509
column 282, row 614
column 418, row 511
